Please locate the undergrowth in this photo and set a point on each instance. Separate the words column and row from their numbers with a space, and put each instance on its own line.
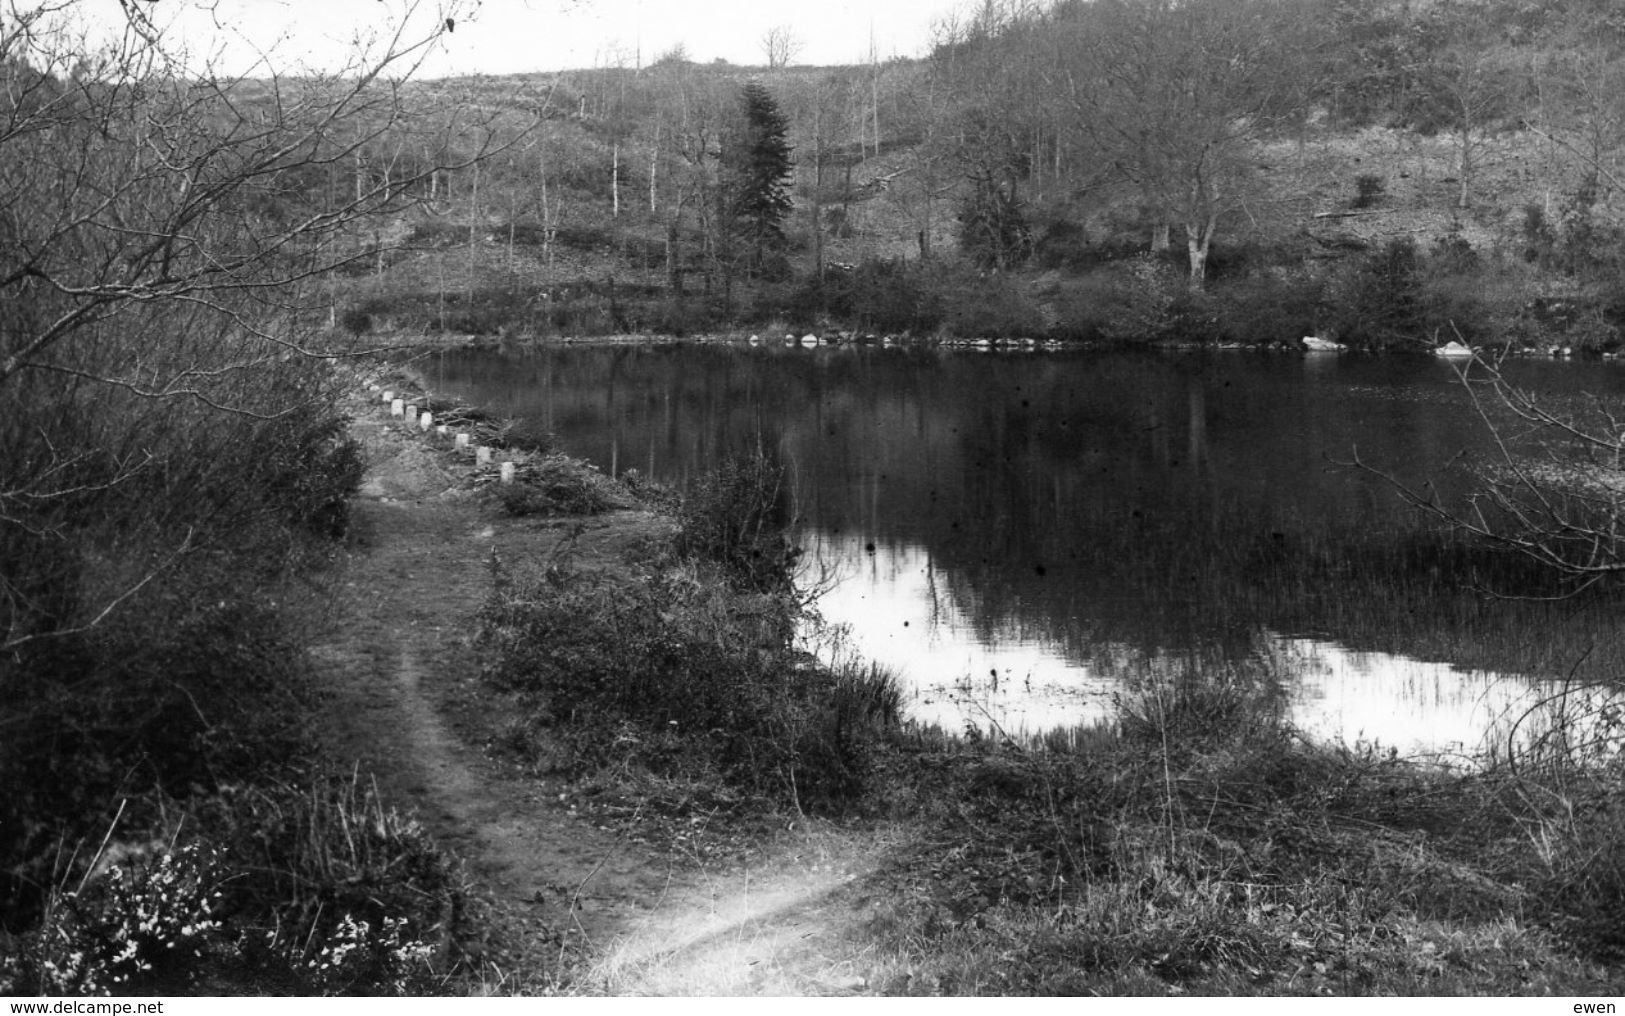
column 686, row 666
column 560, row 485
column 312, row 889
column 1201, row 846
column 669, row 672
column 156, row 564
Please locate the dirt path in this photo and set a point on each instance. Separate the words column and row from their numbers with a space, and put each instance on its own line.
column 400, row 671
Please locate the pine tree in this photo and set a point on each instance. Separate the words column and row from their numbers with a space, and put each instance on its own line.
column 993, row 229
column 758, row 166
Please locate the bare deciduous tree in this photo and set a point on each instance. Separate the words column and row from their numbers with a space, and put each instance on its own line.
column 780, row 45
column 166, row 237
column 1175, row 94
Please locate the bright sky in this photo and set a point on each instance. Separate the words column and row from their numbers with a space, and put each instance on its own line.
column 507, row 36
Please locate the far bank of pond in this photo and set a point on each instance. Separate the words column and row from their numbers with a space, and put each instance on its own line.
column 1024, row 534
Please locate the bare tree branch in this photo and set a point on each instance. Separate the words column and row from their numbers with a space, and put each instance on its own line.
column 1555, row 492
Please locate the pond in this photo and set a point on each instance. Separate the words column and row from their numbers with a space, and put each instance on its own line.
column 1026, row 536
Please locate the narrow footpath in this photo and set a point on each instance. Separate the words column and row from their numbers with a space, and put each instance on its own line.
column 554, row 893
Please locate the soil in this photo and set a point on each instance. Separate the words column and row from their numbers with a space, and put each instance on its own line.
column 560, row 895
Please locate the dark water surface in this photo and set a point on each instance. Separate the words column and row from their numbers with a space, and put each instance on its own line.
column 1022, row 535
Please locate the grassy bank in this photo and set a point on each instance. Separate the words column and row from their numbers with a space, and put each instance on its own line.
column 1196, row 851
column 1195, row 844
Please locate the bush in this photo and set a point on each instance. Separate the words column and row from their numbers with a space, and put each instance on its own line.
column 1063, row 243
column 1194, row 706
column 143, row 648
column 356, row 320
column 1127, row 301
column 738, row 518
column 1369, row 190
column 135, row 928
column 183, row 696
column 559, row 485
column 879, row 295
column 1382, row 303
column 1268, row 308
column 690, row 668
column 332, row 893
column 993, row 231
column 993, row 306
column 309, row 892
column 677, row 675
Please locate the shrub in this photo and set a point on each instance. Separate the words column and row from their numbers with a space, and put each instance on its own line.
column 682, row 317
column 993, row 306
column 993, row 231
column 1268, row 308
column 1063, row 243
column 183, row 694
column 738, row 518
column 559, row 485
column 1126, row 301
column 651, row 492
column 356, row 320
column 331, row 892
column 136, row 928
column 1539, row 238
column 1382, row 302
column 881, row 295
column 1369, row 190
column 1191, row 706
column 310, row 892
column 690, row 668
column 143, row 649
column 677, row 675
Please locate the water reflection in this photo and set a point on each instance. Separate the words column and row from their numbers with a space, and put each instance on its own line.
column 890, row 606
column 1032, row 515
column 896, row 611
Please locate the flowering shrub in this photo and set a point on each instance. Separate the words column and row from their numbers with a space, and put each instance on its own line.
column 139, row 925
column 355, row 957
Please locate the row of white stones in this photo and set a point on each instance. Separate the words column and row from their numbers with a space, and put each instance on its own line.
column 424, row 421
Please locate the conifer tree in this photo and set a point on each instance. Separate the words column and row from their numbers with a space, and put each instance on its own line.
column 993, row 230
column 758, row 166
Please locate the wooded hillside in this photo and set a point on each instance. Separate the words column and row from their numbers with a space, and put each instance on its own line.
column 1242, row 170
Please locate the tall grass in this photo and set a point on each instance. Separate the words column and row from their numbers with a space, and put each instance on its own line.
column 687, row 666
column 1204, row 847
column 283, row 888
column 673, row 673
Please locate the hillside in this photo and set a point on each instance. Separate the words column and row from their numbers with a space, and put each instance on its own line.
column 614, row 181
column 979, row 192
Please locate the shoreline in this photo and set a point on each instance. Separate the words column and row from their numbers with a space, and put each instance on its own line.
column 428, row 343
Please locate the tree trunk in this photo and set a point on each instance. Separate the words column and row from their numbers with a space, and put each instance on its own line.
column 547, row 211
column 654, row 166
column 673, row 273
column 1198, row 236
column 1464, row 194
column 818, row 205
column 473, row 226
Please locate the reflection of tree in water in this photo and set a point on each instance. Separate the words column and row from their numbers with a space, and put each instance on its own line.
column 1081, row 498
